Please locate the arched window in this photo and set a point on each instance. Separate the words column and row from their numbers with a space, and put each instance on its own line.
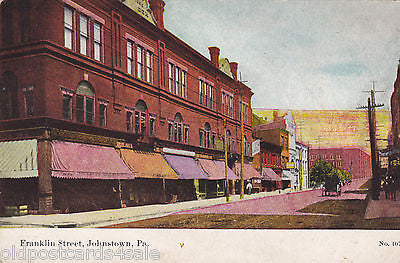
column 141, row 117
column 8, row 96
column 177, row 130
column 85, row 102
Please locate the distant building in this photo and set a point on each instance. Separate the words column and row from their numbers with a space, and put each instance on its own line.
column 356, row 161
column 301, row 166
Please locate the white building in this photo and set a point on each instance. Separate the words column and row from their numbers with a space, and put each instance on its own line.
column 301, row 167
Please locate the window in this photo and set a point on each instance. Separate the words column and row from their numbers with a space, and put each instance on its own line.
column 68, row 27
column 129, row 120
column 149, row 66
column 229, row 141
column 102, row 113
column 206, row 92
column 177, row 80
column 171, row 77
column 186, row 134
column 139, row 58
column 140, row 117
column 152, row 124
column 28, row 101
column 84, row 36
column 227, row 104
column 129, row 55
column 97, row 41
column 67, row 107
column 245, row 112
column 85, row 103
column 177, row 130
column 206, row 137
column 184, row 84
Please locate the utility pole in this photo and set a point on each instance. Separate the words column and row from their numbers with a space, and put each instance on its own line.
column 226, row 164
column 242, row 148
column 375, row 188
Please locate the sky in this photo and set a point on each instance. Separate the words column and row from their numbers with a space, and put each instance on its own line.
column 298, row 54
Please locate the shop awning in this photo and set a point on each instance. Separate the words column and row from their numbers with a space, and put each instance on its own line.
column 185, row 167
column 83, row 161
column 269, row 175
column 287, row 175
column 248, row 171
column 18, row 159
column 147, row 165
column 216, row 169
column 231, row 174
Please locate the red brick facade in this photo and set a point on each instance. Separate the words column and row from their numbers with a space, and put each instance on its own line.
column 63, row 63
column 354, row 160
column 44, row 63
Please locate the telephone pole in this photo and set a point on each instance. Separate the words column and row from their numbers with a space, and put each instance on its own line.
column 226, row 164
column 375, row 188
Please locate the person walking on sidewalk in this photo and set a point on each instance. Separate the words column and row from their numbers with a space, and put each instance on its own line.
column 249, row 187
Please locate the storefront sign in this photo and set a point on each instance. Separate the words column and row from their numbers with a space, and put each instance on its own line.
column 290, row 165
column 256, row 147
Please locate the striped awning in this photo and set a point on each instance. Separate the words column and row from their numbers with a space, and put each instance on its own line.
column 216, row 169
column 186, row 167
column 147, row 165
column 84, row 161
column 18, row 159
column 269, row 175
column 249, row 171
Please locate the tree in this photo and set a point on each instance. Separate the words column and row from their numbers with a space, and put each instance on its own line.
column 320, row 170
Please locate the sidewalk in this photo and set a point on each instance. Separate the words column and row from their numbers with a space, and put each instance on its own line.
column 383, row 208
column 121, row 215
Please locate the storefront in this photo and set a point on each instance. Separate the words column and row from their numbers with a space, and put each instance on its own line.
column 192, row 179
column 287, row 179
column 86, row 177
column 249, row 174
column 152, row 176
column 18, row 177
column 270, row 179
column 215, row 170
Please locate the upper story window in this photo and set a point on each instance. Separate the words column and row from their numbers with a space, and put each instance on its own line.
column 177, row 80
column 227, row 104
column 141, row 117
column 102, row 112
column 246, row 146
column 90, row 37
column 207, row 94
column 28, row 101
column 230, row 141
column 97, row 37
column 177, row 130
column 245, row 112
column 85, row 103
column 84, row 35
column 129, row 115
column 68, row 27
column 207, row 138
column 8, row 96
column 139, row 61
column 67, row 103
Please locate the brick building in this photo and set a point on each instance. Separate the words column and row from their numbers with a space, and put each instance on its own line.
column 100, row 75
column 354, row 160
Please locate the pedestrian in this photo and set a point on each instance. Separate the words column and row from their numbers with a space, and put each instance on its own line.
column 249, row 187
column 386, row 187
column 392, row 189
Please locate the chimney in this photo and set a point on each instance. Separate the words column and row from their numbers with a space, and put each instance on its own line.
column 214, row 55
column 157, row 7
column 234, row 66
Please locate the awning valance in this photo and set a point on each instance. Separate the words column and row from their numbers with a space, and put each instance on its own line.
column 216, row 169
column 18, row 159
column 249, row 171
column 185, row 167
column 147, row 165
column 269, row 175
column 83, row 161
